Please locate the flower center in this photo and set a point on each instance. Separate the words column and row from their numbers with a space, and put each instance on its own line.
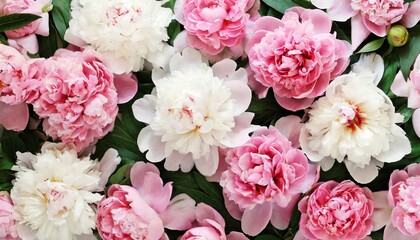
column 350, row 117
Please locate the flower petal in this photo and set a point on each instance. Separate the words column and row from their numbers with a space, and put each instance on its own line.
column 392, row 233
column 14, row 117
column 107, row 166
column 126, row 85
column 416, row 121
column 262, row 212
column 359, row 32
column 341, row 11
column 399, row 86
column 290, row 127
column 144, row 108
column 398, row 148
column 382, row 210
column 207, row 165
column 281, row 216
column 412, row 16
column 180, row 213
column 363, row 175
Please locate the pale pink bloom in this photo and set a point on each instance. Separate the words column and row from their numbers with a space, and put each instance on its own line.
column 77, row 99
column 16, row 88
column 296, row 56
column 265, row 177
column 214, row 27
column 336, row 211
column 26, row 36
column 404, row 198
column 142, row 211
column 410, row 89
column 8, row 224
column 210, row 225
column 369, row 16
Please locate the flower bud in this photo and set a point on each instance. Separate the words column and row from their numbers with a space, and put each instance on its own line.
column 397, row 36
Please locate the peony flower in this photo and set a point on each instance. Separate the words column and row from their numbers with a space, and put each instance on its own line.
column 193, row 110
column 355, row 123
column 16, row 88
column 52, row 192
column 296, row 56
column 26, row 36
column 8, row 226
column 210, row 225
column 142, row 211
column 214, row 26
column 336, row 211
column 265, row 177
column 77, row 99
column 404, row 198
column 370, row 16
column 410, row 89
column 124, row 32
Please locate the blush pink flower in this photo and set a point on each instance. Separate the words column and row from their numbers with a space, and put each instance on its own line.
column 142, row 211
column 214, row 26
column 265, row 177
column 369, row 16
column 404, row 198
column 16, row 88
column 26, row 36
column 210, row 225
column 296, row 56
column 336, row 211
column 77, row 99
column 8, row 224
column 411, row 90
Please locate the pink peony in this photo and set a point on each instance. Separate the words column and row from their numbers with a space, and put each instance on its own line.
column 26, row 36
column 77, row 99
column 265, row 178
column 8, row 224
column 404, row 197
column 214, row 26
column 296, row 56
column 210, row 225
column 410, row 89
column 142, row 211
column 16, row 88
column 336, row 211
column 369, row 16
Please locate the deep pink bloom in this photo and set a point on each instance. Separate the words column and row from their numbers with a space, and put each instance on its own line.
column 25, row 36
column 142, row 211
column 369, row 16
column 16, row 88
column 214, row 26
column 404, row 197
column 8, row 223
column 265, row 177
column 77, row 99
column 210, row 225
column 336, row 211
column 296, row 56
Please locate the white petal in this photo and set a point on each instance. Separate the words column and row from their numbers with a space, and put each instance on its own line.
column 144, row 109
column 370, row 62
column 223, row 69
column 240, row 133
column 398, row 148
column 327, row 163
column 304, row 144
column 207, row 165
column 363, row 175
column 160, row 59
column 241, row 95
column 107, row 166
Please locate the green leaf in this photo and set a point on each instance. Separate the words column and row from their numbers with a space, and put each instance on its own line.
column 16, row 21
column 173, row 30
column 11, row 143
column 61, row 16
column 211, row 189
column 3, row 40
column 391, row 63
column 410, row 51
column 120, row 174
column 280, row 6
column 406, row 112
column 266, row 237
column 48, row 45
column 372, row 46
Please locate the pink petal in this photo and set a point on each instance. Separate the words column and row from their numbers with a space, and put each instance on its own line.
column 359, row 32
column 180, row 213
column 412, row 16
column 379, row 31
column 179, row 11
column 223, row 166
column 14, row 117
column 43, row 28
column 392, row 233
column 256, row 219
column 290, row 127
column 341, row 11
column 382, row 210
column 232, row 208
column 107, row 166
column 281, row 216
column 29, row 43
column 416, row 121
column 204, row 212
column 294, row 104
column 320, row 19
column 236, row 236
column 323, row 4
column 126, row 85
column 414, row 98
column 138, row 172
column 267, row 23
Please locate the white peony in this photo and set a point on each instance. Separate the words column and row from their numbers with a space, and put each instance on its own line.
column 124, row 32
column 193, row 110
column 355, row 123
column 52, row 192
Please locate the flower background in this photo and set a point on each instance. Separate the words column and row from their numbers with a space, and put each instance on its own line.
column 214, row 215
